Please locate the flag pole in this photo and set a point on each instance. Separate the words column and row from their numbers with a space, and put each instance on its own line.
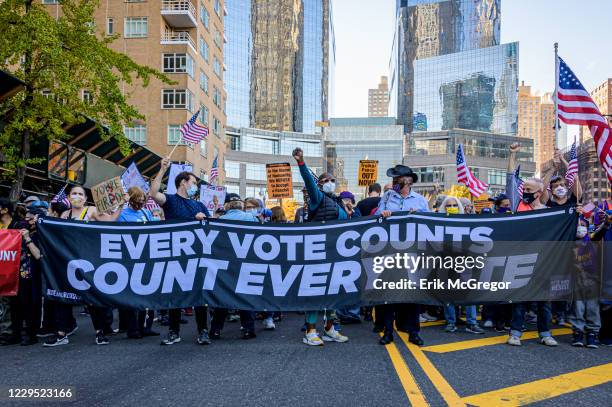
column 556, row 94
column 176, row 145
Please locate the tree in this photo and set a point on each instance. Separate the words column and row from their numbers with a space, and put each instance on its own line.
column 58, row 58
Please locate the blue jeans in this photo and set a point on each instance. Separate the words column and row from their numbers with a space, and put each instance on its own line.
column 518, row 318
column 451, row 316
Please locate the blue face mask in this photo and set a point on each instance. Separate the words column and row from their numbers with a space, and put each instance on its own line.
column 253, row 212
column 192, row 190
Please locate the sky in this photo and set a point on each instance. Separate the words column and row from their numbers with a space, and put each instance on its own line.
column 364, row 33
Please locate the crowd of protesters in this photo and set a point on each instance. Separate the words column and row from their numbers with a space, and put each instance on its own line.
column 28, row 317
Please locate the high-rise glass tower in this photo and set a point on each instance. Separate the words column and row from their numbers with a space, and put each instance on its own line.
column 279, row 61
column 448, row 69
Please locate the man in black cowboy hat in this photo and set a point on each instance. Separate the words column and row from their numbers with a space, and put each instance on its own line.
column 402, row 198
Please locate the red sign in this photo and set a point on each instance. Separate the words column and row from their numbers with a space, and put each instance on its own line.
column 10, row 255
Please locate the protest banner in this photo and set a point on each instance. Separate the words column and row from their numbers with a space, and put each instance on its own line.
column 213, row 197
column 108, row 195
column 176, row 169
column 10, row 255
column 280, row 180
column 132, row 178
column 482, row 202
column 368, row 172
column 331, row 265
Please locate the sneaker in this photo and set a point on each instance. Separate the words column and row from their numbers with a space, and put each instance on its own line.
column 56, row 341
column 488, row 324
column 249, row 335
column 233, row 318
column 269, row 324
column 416, row 339
column 474, row 329
column 277, row 318
column 548, row 341
column 101, row 339
column 334, row 336
column 337, row 326
column 73, row 331
column 215, row 334
column 203, row 338
column 428, row 317
column 386, row 339
column 312, row 339
column 560, row 321
column 591, row 341
column 422, row 319
column 514, row 340
column 577, row 339
column 172, row 338
column 500, row 328
column 450, row 328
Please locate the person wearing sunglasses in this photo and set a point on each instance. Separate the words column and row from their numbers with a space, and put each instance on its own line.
column 323, row 205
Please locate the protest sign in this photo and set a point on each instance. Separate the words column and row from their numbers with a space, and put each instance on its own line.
column 233, row 264
column 176, row 169
column 368, row 172
column 482, row 202
column 108, row 195
column 10, row 255
column 213, row 197
column 132, row 178
column 280, row 180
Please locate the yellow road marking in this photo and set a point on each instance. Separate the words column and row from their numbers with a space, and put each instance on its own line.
column 446, row 391
column 413, row 392
column 543, row 389
column 434, row 323
column 493, row 340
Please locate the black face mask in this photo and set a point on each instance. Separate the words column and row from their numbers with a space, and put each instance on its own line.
column 503, row 210
column 528, row 197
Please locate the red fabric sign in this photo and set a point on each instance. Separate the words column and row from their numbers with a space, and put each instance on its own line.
column 10, row 255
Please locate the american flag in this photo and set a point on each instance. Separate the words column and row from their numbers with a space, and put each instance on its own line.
column 151, row 204
column 214, row 171
column 572, row 167
column 519, row 182
column 575, row 106
column 465, row 176
column 62, row 197
column 192, row 132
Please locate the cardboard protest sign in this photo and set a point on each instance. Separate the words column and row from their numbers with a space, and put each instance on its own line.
column 176, row 169
column 368, row 172
column 10, row 256
column 280, row 180
column 482, row 202
column 108, row 195
column 212, row 196
column 132, row 178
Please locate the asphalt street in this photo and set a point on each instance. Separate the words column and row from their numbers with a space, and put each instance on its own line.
column 277, row 369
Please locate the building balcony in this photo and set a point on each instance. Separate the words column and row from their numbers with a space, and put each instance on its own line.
column 176, row 38
column 179, row 13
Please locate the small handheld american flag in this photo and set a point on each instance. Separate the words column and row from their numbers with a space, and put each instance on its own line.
column 193, row 132
column 151, row 205
column 572, row 167
column 214, row 171
column 520, row 184
column 62, row 197
column 465, row 176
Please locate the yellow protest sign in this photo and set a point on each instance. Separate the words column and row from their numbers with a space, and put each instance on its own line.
column 108, row 195
column 280, row 180
column 368, row 172
column 482, row 202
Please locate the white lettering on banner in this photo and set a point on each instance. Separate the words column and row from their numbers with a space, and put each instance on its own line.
column 174, row 272
column 74, row 281
column 159, row 245
column 212, row 268
column 314, row 247
column 121, row 280
column 108, row 243
column 182, row 242
column 338, row 279
column 396, row 242
column 291, row 241
column 135, row 250
column 519, row 269
column 481, row 235
column 251, row 278
column 8, row 255
column 366, row 239
column 341, row 246
column 313, row 274
column 241, row 249
column 281, row 286
column 207, row 240
column 136, row 279
column 259, row 247
column 436, row 238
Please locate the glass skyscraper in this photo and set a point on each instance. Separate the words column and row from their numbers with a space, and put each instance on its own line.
column 279, row 63
column 452, row 47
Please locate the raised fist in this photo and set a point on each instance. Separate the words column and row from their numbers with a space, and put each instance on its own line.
column 298, row 154
column 514, row 147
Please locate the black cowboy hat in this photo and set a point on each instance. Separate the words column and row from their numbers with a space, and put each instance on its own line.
column 402, row 171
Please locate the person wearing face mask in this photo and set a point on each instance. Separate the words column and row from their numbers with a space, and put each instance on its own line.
column 181, row 206
column 502, row 203
column 323, row 205
column 584, row 314
column 454, row 206
column 401, row 198
column 561, row 195
column 252, row 207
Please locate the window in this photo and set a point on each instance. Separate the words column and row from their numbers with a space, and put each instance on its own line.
column 216, row 97
column 232, row 188
column 217, row 38
column 137, row 134
column 234, row 142
column 217, row 67
column 110, row 26
column 203, row 149
column 218, row 7
column 497, row 177
column 174, row 134
column 87, row 97
column 177, row 99
column 204, row 16
column 204, row 82
column 216, row 126
column 49, row 2
column 178, row 63
column 190, row 67
column 135, row 27
column 204, row 115
column 204, row 49
column 203, row 175
column 232, row 169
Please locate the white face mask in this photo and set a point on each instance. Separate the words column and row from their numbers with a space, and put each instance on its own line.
column 581, row 232
column 329, row 187
column 253, row 212
column 560, row 191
